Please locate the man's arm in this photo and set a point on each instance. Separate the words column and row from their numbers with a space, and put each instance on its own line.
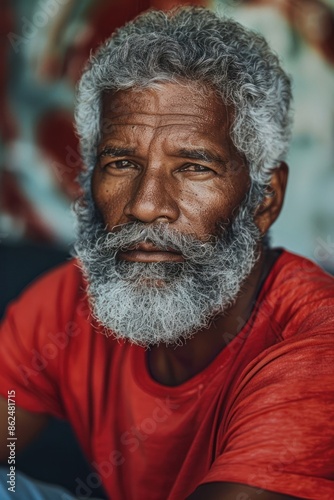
column 234, row 491
column 27, row 427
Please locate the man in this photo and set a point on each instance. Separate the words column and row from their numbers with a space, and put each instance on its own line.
column 192, row 359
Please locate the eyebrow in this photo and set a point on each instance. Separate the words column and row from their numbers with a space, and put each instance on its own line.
column 193, row 154
column 201, row 155
column 115, row 151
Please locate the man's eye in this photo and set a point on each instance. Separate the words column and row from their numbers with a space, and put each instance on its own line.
column 120, row 165
column 194, row 167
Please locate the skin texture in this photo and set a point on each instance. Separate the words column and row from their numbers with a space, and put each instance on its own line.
column 157, row 182
column 165, row 155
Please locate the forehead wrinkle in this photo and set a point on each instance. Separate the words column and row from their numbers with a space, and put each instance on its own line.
column 190, row 142
column 156, row 104
column 156, row 113
column 175, row 120
column 156, row 120
column 186, row 132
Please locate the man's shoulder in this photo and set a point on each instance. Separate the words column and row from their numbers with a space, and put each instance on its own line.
column 300, row 296
column 295, row 273
column 66, row 275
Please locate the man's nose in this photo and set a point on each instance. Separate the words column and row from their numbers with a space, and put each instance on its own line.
column 152, row 199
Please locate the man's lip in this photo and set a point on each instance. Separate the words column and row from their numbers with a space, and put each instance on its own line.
column 147, row 246
column 148, row 252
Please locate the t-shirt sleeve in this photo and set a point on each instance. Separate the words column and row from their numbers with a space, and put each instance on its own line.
column 279, row 431
column 30, row 348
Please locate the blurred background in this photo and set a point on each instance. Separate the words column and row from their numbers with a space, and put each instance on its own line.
column 43, row 46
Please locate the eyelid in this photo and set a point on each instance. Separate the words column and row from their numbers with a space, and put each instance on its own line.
column 112, row 163
column 198, row 165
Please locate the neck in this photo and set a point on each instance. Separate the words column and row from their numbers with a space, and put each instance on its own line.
column 173, row 365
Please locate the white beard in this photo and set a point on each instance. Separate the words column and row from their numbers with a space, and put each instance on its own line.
column 152, row 303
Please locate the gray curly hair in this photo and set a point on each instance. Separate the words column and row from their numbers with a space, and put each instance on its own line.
column 191, row 44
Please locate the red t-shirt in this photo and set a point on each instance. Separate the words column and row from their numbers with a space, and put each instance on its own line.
column 259, row 414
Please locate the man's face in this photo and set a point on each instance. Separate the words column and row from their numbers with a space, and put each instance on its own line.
column 166, row 156
column 169, row 239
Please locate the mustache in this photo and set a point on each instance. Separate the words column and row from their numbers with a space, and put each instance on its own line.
column 163, row 302
column 127, row 236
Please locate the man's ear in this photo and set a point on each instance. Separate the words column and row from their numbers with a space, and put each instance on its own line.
column 270, row 208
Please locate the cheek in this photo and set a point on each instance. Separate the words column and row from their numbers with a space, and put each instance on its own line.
column 110, row 199
column 203, row 209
